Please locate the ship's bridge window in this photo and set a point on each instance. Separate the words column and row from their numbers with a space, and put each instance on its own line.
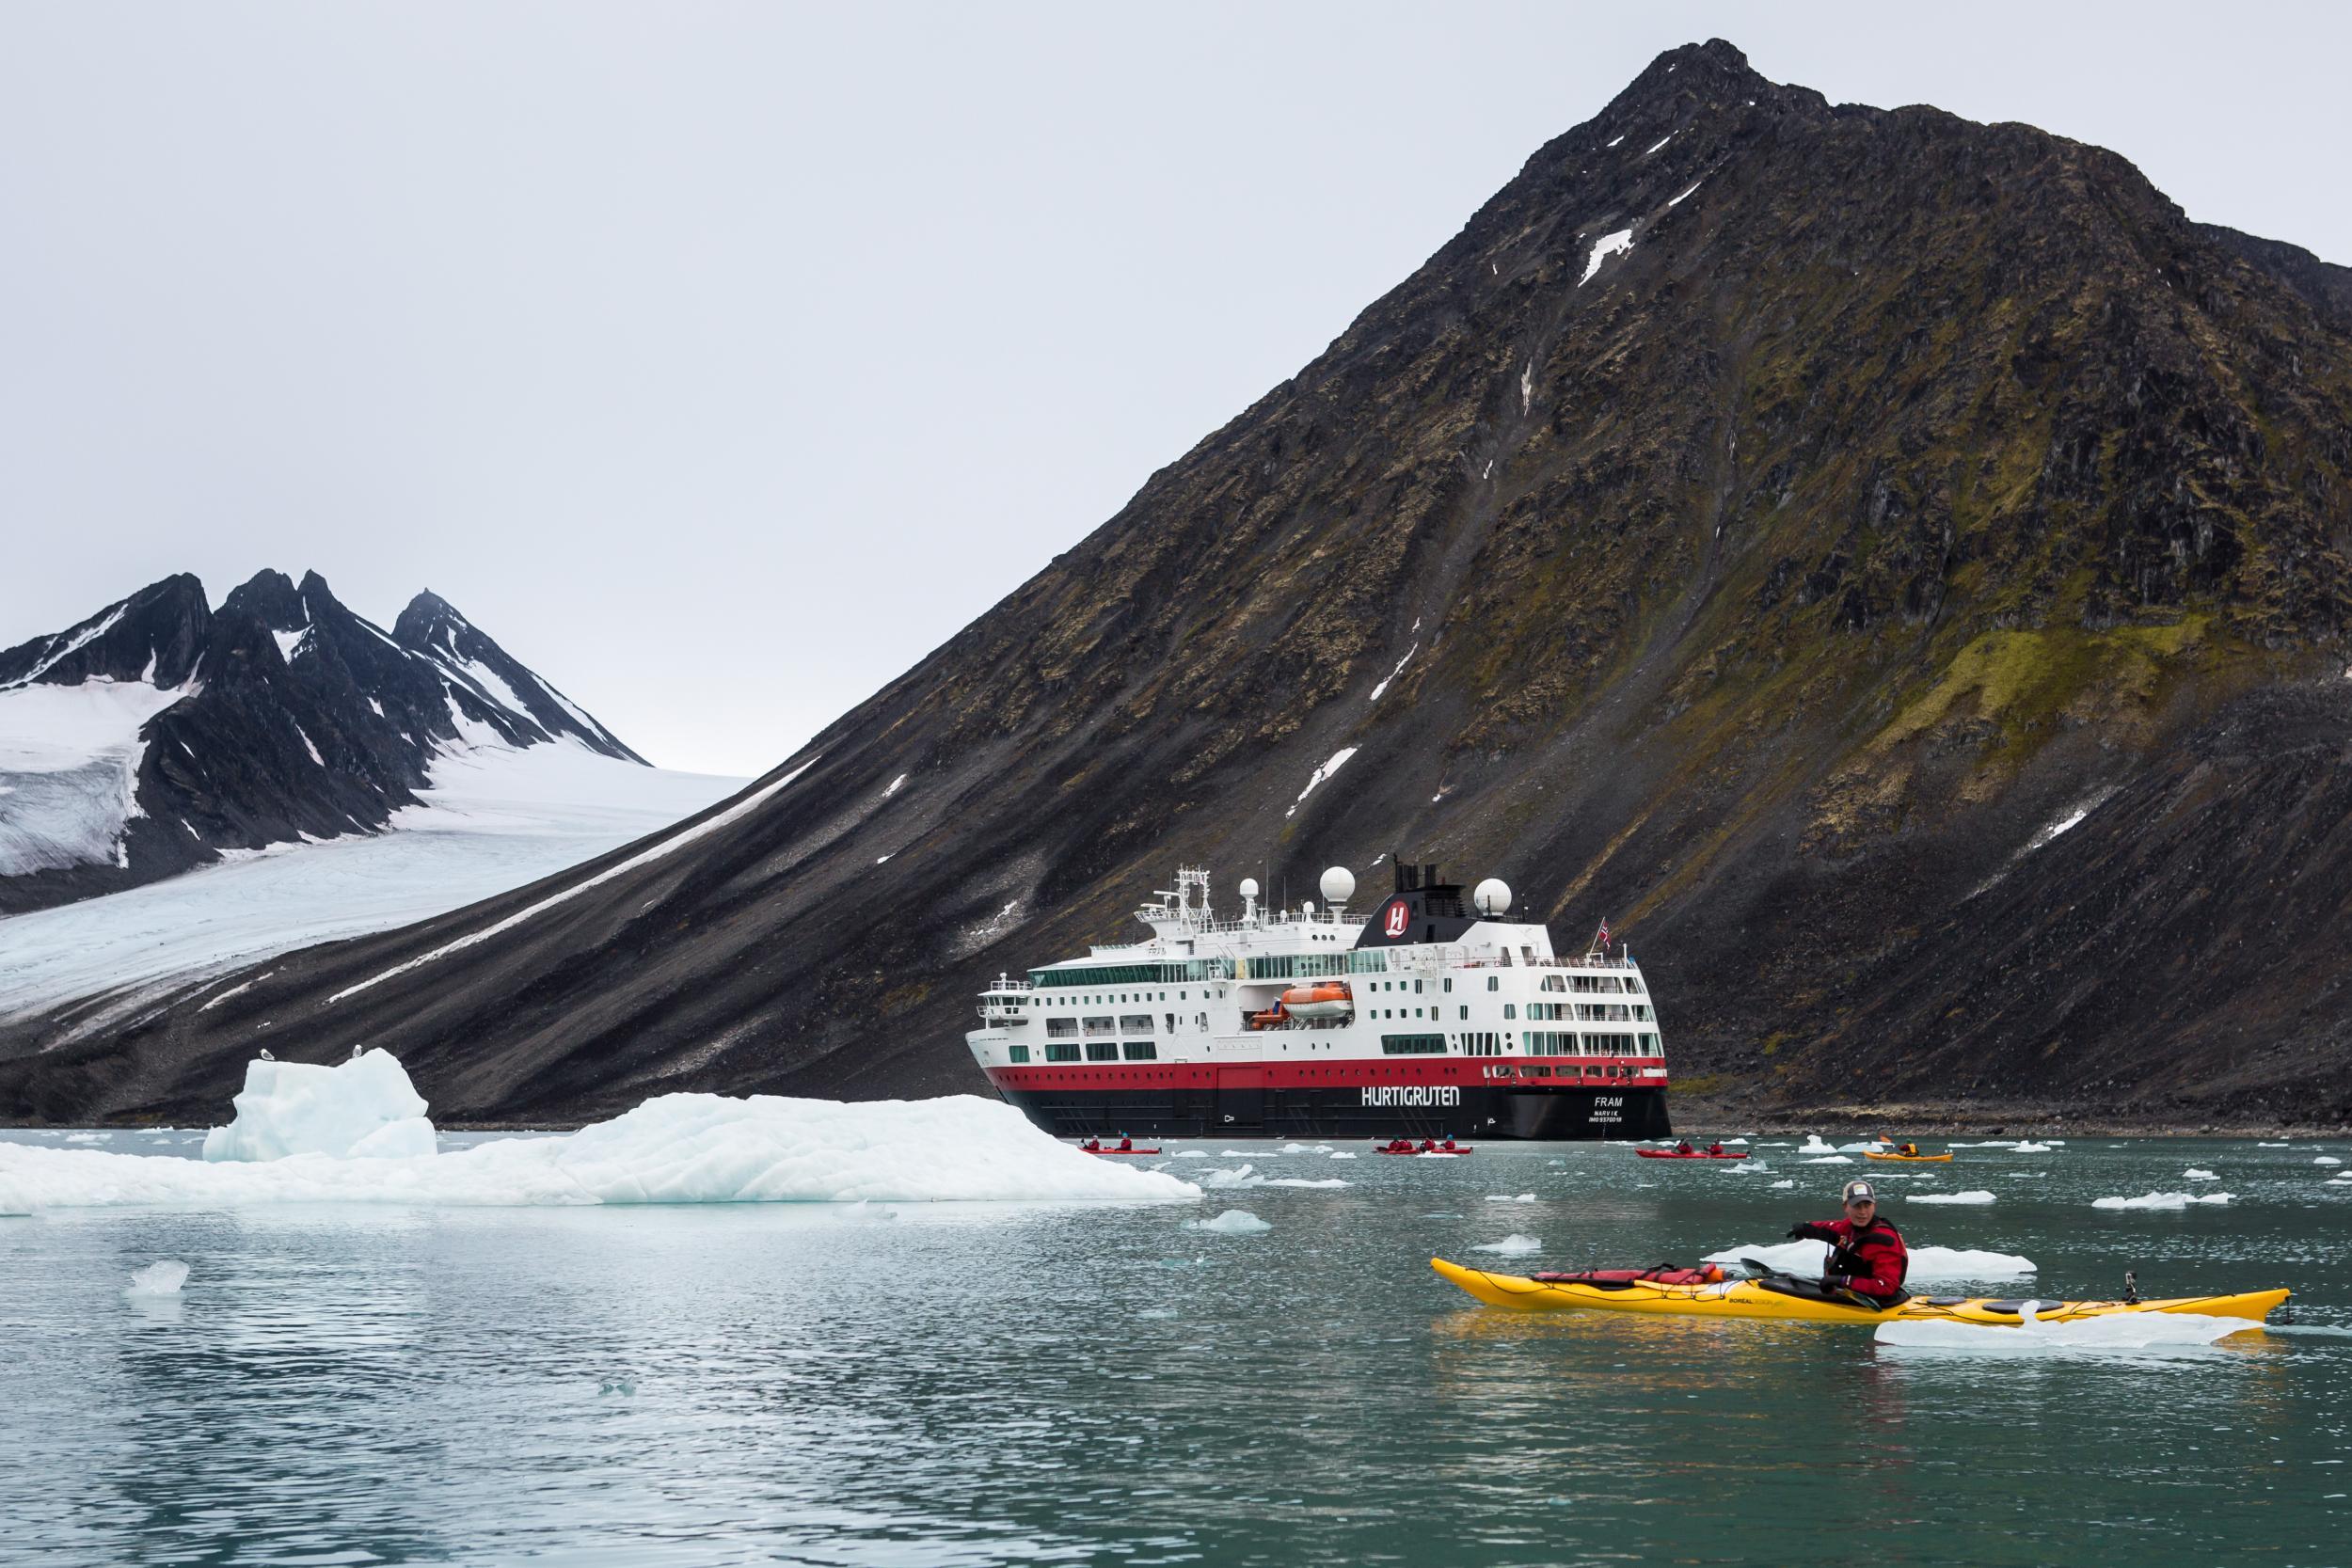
column 1102, row 1051
column 1017, row 1054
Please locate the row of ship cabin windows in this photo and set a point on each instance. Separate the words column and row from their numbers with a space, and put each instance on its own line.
column 1551, row 982
column 1537, row 1042
column 1095, row 1051
column 1583, row 1012
column 1108, row 1027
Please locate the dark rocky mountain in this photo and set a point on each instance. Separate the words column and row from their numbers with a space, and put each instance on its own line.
column 280, row 716
column 1893, row 567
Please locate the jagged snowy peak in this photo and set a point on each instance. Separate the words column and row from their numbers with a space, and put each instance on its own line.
column 156, row 636
column 158, row 734
column 431, row 626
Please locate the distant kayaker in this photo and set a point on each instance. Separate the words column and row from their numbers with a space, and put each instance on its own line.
column 1715, row 1149
column 1866, row 1253
column 1126, row 1145
column 1684, row 1148
column 1092, row 1146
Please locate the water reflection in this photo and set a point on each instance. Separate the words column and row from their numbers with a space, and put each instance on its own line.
column 982, row 1385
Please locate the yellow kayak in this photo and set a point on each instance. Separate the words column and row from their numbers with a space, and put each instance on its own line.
column 1909, row 1159
column 1751, row 1298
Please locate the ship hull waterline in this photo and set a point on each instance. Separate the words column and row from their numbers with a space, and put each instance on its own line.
column 1623, row 1112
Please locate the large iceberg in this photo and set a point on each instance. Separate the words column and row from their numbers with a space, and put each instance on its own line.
column 362, row 1109
column 676, row 1148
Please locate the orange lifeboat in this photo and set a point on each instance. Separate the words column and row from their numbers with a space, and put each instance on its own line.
column 1319, row 999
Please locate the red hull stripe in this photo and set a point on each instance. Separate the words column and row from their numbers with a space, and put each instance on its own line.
column 1476, row 1072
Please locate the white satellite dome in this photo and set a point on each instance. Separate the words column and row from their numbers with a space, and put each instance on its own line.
column 1338, row 885
column 1249, row 887
column 1492, row 896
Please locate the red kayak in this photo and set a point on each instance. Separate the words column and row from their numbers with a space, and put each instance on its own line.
column 1678, row 1154
column 1084, row 1149
column 1463, row 1149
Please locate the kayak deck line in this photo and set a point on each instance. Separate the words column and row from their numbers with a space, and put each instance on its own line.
column 1750, row 1299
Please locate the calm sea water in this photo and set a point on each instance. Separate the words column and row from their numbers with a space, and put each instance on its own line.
column 992, row 1384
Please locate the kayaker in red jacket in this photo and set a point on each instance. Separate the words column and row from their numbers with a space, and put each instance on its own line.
column 1866, row 1253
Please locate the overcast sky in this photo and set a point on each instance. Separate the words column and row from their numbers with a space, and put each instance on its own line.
column 723, row 361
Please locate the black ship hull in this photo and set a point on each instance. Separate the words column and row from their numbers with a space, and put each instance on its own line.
column 1465, row 1112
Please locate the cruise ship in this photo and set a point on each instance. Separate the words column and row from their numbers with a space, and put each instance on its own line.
column 1433, row 1016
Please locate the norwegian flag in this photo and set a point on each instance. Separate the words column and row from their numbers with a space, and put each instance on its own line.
column 1602, row 939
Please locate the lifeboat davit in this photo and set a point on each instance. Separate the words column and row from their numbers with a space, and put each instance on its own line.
column 1320, row 999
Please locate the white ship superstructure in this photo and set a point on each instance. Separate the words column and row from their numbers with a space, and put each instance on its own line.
column 1431, row 1016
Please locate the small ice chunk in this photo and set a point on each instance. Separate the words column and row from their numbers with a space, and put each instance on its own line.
column 2116, row 1333
column 1782, row 1186
column 1815, row 1144
column 1342, row 1154
column 1505, row 1198
column 1233, row 1222
column 2161, row 1200
column 2030, row 1148
column 1513, row 1246
column 1828, row 1160
column 1973, row 1197
column 1936, row 1264
column 2327, row 1160
column 2193, row 1174
column 158, row 1279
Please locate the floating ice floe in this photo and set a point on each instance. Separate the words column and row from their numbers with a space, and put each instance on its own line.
column 2327, row 1160
column 1342, row 1154
column 1978, row 1197
column 1246, row 1175
column 1233, row 1222
column 1828, row 1160
column 2274, row 1146
column 2161, row 1200
column 2030, row 1148
column 1815, row 1144
column 362, row 1109
column 2120, row 1333
column 1192, row 1154
column 2193, row 1174
column 1782, row 1186
column 676, row 1148
column 158, row 1279
column 1513, row 1245
column 1505, row 1198
column 1929, row 1264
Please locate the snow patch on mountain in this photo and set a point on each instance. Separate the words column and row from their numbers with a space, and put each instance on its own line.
column 69, row 760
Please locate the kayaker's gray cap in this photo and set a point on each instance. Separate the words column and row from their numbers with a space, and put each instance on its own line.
column 1858, row 1191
